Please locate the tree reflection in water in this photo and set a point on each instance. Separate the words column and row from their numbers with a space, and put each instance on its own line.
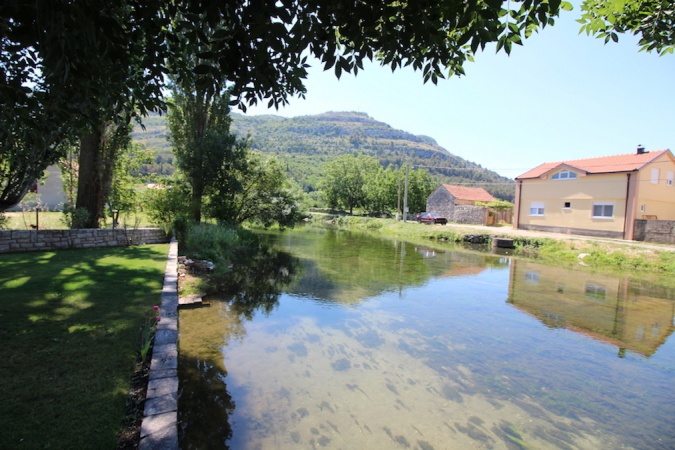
column 257, row 279
column 254, row 284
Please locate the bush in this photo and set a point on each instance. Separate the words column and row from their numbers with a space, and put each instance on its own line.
column 216, row 243
column 4, row 221
column 74, row 217
column 168, row 208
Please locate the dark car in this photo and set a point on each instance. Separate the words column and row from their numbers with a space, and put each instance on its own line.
column 430, row 218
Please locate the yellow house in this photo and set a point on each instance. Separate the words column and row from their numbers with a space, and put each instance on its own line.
column 597, row 196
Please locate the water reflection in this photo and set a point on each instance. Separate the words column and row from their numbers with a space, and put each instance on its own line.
column 356, row 342
column 348, row 268
column 252, row 286
column 618, row 311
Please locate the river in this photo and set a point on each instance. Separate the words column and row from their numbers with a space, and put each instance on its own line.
column 342, row 340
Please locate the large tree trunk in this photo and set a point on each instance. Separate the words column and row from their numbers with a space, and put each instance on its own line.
column 90, row 194
column 98, row 149
column 196, row 203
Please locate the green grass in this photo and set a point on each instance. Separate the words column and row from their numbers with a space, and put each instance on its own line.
column 69, row 337
column 52, row 220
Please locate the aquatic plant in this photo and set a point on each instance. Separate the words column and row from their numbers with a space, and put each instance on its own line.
column 147, row 332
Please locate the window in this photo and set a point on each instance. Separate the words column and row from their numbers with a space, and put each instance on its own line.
column 595, row 292
column 532, row 277
column 537, row 208
column 564, row 175
column 603, row 210
column 567, row 205
column 670, row 176
column 655, row 176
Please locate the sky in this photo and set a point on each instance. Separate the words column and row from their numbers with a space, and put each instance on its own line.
column 561, row 96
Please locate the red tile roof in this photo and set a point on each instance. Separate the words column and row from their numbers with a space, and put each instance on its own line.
column 469, row 193
column 603, row 164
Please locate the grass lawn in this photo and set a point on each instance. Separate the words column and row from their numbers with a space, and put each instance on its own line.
column 53, row 220
column 69, row 336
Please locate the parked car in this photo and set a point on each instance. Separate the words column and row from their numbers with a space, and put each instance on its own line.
column 430, row 218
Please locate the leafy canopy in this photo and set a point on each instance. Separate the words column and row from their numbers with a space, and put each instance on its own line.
column 76, row 51
column 653, row 21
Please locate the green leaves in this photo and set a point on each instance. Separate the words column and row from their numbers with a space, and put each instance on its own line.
column 653, row 21
column 358, row 181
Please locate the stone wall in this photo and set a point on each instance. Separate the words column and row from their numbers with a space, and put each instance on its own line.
column 441, row 202
column 660, row 231
column 33, row 240
column 474, row 215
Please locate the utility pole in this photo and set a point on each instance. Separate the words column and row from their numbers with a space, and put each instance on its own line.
column 398, row 208
column 405, row 195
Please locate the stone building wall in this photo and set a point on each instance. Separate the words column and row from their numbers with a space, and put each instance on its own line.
column 33, row 240
column 441, row 202
column 660, row 231
column 474, row 215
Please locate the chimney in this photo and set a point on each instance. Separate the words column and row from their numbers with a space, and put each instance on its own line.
column 640, row 149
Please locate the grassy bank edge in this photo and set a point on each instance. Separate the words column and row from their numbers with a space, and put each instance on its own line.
column 599, row 255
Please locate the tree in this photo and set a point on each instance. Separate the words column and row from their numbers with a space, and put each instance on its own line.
column 200, row 132
column 344, row 180
column 123, row 192
column 257, row 190
column 28, row 144
column 86, row 65
column 99, row 61
column 420, row 186
column 381, row 190
column 99, row 150
column 653, row 21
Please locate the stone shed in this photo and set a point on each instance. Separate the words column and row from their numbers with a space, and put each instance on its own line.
column 458, row 203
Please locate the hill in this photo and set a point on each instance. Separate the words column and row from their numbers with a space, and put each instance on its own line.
column 305, row 143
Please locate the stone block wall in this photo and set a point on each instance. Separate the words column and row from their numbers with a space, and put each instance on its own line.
column 441, row 202
column 660, row 231
column 35, row 240
column 474, row 215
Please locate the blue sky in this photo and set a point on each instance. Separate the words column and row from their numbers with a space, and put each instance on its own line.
column 560, row 96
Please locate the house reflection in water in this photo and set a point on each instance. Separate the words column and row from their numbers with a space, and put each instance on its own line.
column 610, row 309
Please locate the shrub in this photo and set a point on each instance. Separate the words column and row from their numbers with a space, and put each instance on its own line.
column 216, row 243
column 74, row 217
column 167, row 207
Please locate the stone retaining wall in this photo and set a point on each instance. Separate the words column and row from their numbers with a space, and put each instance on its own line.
column 34, row 240
column 159, row 429
column 660, row 231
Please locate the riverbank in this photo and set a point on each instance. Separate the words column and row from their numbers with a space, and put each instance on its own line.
column 559, row 249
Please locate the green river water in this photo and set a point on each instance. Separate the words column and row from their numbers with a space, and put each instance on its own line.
column 345, row 341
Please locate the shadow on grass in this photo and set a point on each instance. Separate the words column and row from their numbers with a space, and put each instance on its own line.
column 69, row 335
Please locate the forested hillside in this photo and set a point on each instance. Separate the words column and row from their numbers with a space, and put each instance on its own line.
column 304, row 144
